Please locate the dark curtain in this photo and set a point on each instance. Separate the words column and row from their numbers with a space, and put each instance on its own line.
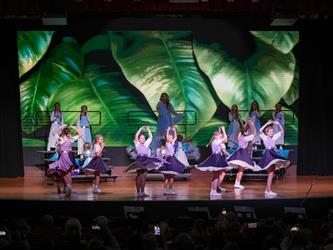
column 315, row 130
column 11, row 160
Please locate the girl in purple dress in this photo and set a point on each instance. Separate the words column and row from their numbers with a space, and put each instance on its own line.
column 216, row 162
column 97, row 166
column 241, row 159
column 254, row 117
column 64, row 165
column 174, row 166
column 143, row 162
column 271, row 161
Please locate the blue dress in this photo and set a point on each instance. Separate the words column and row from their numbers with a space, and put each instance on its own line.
column 233, row 130
column 281, row 119
column 83, row 122
column 164, row 121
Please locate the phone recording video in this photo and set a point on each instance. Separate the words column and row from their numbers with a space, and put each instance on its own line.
column 294, row 228
column 252, row 225
column 95, row 227
column 157, row 230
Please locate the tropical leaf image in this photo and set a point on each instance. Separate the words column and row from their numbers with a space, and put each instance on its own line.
column 156, row 62
column 33, row 46
column 63, row 64
column 121, row 76
column 265, row 77
column 105, row 92
column 283, row 41
column 293, row 93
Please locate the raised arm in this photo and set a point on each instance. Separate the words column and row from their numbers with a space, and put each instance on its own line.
column 265, row 125
column 230, row 116
column 78, row 131
column 252, row 127
column 150, row 135
column 225, row 136
column 56, row 132
column 136, row 137
column 174, row 134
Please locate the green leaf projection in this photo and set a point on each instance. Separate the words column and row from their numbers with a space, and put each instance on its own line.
column 122, row 74
column 32, row 47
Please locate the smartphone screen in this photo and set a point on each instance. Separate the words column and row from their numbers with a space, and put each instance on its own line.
column 252, row 225
column 157, row 230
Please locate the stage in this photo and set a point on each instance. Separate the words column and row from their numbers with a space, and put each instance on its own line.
column 32, row 195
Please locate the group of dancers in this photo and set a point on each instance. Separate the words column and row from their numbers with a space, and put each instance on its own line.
column 166, row 159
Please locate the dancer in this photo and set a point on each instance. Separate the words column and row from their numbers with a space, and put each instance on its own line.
column 57, row 120
column 271, row 161
column 234, row 127
column 83, row 122
column 279, row 116
column 64, row 165
column 97, row 166
column 143, row 161
column 174, row 166
column 165, row 111
column 216, row 162
column 241, row 159
column 180, row 151
column 254, row 117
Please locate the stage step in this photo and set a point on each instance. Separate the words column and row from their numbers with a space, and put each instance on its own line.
column 51, row 179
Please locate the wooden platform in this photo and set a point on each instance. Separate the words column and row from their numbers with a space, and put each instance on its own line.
column 34, row 187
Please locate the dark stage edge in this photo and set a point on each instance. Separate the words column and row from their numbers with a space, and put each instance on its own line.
column 317, row 208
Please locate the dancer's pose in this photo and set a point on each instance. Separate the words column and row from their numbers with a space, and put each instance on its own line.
column 271, row 161
column 216, row 162
column 83, row 122
column 143, row 161
column 241, row 159
column 278, row 116
column 57, row 120
column 174, row 166
column 234, row 127
column 254, row 117
column 97, row 166
column 64, row 165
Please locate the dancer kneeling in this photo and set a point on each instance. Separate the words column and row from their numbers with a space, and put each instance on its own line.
column 216, row 162
column 174, row 166
column 143, row 161
column 241, row 158
column 96, row 165
column 271, row 161
column 66, row 162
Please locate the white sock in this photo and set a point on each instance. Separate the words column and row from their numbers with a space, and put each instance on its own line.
column 237, row 183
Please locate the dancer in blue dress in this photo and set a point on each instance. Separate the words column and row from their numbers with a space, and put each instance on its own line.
column 216, row 162
column 57, row 120
column 83, row 122
column 279, row 116
column 254, row 117
column 240, row 159
column 144, row 161
column 165, row 112
column 180, row 151
column 174, row 166
column 271, row 161
column 234, row 127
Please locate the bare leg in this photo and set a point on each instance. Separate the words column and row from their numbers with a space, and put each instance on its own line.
column 143, row 181
column 221, row 177
column 138, row 181
column 97, row 177
column 270, row 178
column 171, row 181
column 239, row 174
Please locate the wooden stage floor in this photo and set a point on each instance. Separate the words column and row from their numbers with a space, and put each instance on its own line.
column 34, row 187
